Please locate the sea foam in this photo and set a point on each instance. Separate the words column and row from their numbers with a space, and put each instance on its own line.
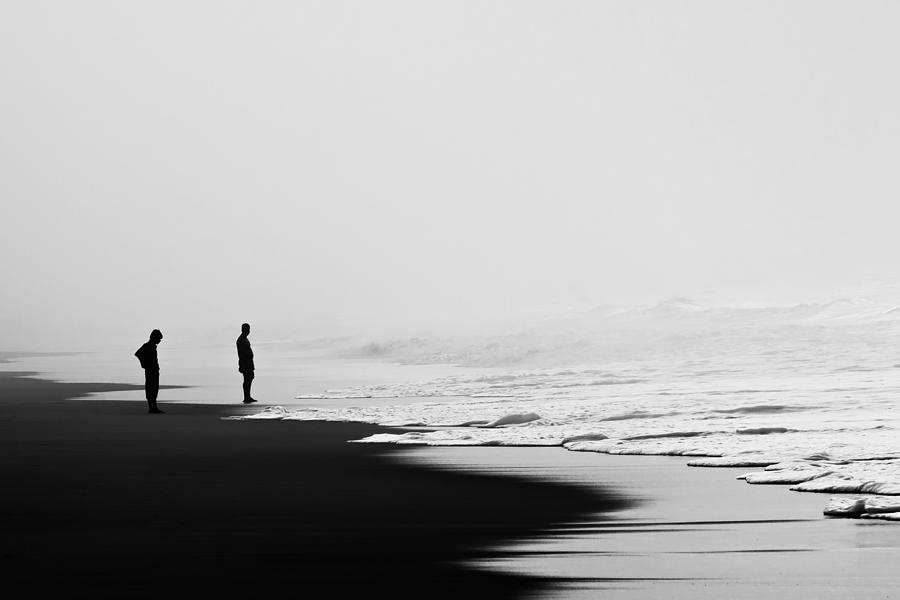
column 804, row 394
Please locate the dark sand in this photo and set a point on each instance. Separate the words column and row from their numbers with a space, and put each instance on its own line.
column 100, row 499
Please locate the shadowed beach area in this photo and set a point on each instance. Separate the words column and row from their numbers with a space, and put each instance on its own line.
column 102, row 500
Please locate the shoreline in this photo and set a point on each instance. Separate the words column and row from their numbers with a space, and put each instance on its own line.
column 103, row 500
column 686, row 534
column 106, row 501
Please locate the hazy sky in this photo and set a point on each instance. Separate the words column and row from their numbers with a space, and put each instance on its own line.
column 190, row 165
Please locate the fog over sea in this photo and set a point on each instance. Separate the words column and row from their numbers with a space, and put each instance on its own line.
column 802, row 394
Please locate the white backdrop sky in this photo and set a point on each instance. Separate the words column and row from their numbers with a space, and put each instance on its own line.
column 191, row 165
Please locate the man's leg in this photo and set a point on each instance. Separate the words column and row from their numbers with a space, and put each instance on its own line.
column 248, row 381
column 148, row 388
column 152, row 389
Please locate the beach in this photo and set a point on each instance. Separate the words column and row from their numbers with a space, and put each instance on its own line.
column 103, row 500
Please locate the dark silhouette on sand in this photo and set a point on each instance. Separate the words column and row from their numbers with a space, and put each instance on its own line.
column 150, row 363
column 245, row 361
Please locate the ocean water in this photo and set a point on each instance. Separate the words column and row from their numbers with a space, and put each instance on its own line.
column 802, row 395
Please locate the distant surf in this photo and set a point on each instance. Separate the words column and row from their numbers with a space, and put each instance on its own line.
column 807, row 393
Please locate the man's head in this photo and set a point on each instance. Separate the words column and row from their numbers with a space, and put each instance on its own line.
column 245, row 329
column 156, row 336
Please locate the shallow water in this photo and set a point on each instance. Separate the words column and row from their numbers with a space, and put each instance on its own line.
column 802, row 395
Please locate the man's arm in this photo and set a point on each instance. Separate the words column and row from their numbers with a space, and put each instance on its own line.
column 242, row 353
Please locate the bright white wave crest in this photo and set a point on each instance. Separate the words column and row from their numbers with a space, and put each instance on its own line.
column 805, row 395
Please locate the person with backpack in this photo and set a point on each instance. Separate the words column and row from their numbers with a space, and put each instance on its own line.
column 146, row 354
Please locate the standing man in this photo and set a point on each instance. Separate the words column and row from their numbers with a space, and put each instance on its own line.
column 245, row 361
column 150, row 363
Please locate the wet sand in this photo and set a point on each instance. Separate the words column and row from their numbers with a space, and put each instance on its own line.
column 101, row 500
column 688, row 532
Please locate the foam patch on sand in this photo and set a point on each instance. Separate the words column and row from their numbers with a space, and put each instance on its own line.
column 838, row 485
column 883, row 517
column 786, row 477
column 869, row 507
column 270, row 412
column 734, row 461
column 448, row 438
column 513, row 420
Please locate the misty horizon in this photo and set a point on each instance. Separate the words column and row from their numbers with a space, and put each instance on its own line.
column 400, row 166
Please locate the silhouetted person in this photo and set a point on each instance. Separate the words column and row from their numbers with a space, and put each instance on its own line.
column 150, row 363
column 245, row 361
